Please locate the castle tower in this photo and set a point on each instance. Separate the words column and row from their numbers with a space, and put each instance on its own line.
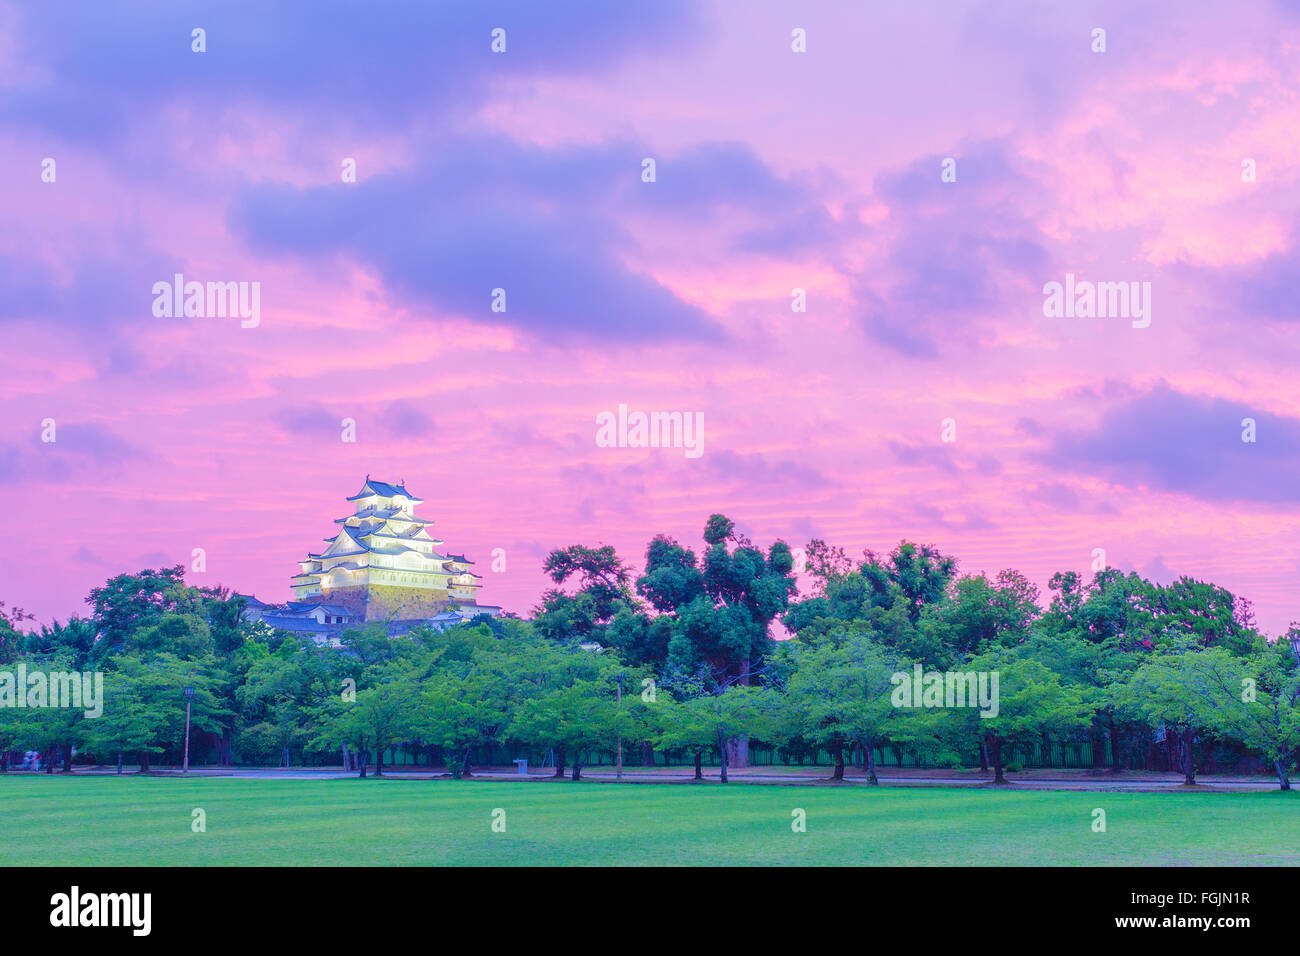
column 382, row 565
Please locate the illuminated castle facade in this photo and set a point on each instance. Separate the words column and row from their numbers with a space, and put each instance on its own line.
column 383, row 565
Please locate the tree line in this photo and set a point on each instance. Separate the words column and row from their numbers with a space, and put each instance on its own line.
column 681, row 659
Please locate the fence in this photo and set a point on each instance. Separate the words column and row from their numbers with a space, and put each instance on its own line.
column 1069, row 754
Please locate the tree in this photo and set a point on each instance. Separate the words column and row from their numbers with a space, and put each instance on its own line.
column 11, row 639
column 723, row 628
column 459, row 713
column 1255, row 700
column 133, row 719
column 919, row 572
column 839, row 696
column 1030, row 702
column 1169, row 690
column 825, row 563
column 1207, row 614
column 381, row 717
column 678, row 726
column 603, row 590
column 715, row 719
column 1251, row 699
column 581, row 717
column 129, row 602
column 46, row 729
column 75, row 639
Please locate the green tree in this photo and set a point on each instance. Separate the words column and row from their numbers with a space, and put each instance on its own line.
column 715, row 719
column 840, row 697
column 459, row 713
column 603, row 590
column 1168, row 690
column 380, row 717
column 1030, row 701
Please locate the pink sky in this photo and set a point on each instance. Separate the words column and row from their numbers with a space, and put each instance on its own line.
column 775, row 170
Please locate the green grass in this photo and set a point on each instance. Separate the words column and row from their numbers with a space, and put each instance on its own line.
column 146, row 821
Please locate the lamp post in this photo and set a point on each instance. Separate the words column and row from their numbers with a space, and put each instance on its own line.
column 189, row 696
column 618, row 773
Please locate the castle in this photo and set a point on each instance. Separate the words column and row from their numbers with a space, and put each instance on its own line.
column 382, row 565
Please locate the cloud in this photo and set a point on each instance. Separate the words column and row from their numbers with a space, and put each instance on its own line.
column 79, row 452
column 90, row 292
column 953, row 251
column 485, row 214
column 1173, row 441
column 1268, row 288
column 1054, row 495
column 758, row 469
column 405, row 419
column 93, row 71
column 308, row 421
column 922, row 456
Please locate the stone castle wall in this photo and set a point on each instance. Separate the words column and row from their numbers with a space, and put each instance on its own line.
column 387, row 602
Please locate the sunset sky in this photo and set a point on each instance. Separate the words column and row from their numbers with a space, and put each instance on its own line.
column 775, row 170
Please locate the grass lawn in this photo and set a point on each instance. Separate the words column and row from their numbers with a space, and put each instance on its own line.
column 146, row 821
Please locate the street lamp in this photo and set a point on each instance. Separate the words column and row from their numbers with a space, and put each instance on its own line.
column 618, row 773
column 189, row 696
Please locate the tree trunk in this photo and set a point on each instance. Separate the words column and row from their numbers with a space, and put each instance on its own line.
column 647, row 754
column 345, row 758
column 1114, row 748
column 995, row 743
column 67, row 759
column 559, row 763
column 1189, row 759
column 1099, row 749
column 871, row 764
column 984, row 758
column 838, row 751
column 699, row 769
column 144, row 761
column 379, row 761
column 1282, row 778
column 740, row 745
column 577, row 770
column 119, row 761
column 465, row 770
column 722, row 747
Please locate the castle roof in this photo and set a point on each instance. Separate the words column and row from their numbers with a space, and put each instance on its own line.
column 384, row 514
column 304, row 607
column 384, row 489
column 307, row 624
